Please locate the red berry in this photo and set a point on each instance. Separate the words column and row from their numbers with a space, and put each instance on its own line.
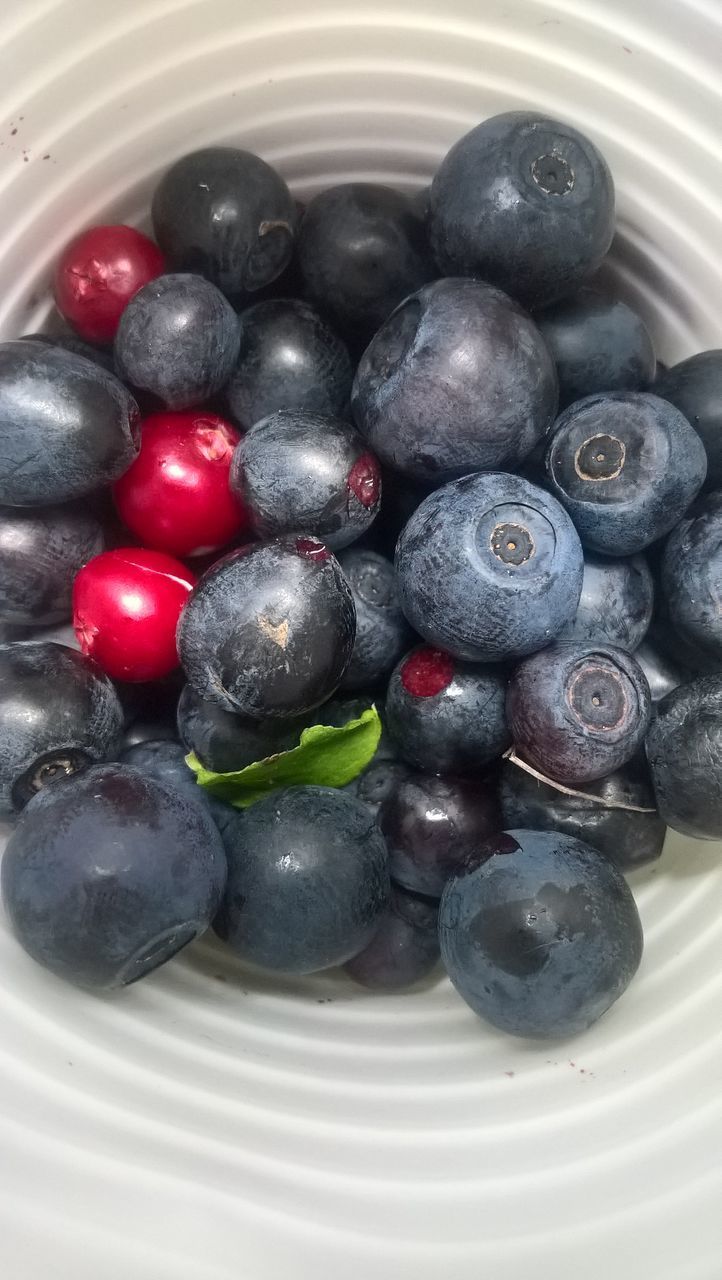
column 176, row 496
column 126, row 606
column 97, row 275
column 427, row 672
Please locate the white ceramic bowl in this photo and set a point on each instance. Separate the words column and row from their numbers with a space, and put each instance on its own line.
column 205, row 1125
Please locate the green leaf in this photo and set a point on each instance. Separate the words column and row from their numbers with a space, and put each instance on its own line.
column 326, row 756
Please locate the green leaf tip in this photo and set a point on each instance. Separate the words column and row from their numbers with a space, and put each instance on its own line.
column 326, row 756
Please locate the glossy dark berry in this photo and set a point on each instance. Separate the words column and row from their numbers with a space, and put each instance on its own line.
column 382, row 632
column 227, row 215
column 578, row 711
column 307, row 881
column 178, row 339
column 525, row 202
column 683, row 750
column 444, row 715
column 269, row 630
column 662, row 674
column 489, row 567
column 616, row 603
column 289, row 359
column 695, row 387
column 225, row 742
column 300, row 472
column 458, row 379
column 66, row 426
column 41, row 550
column 404, row 949
column 108, row 875
column 598, row 345
column 361, row 249
column 626, row 466
column 58, row 714
column 539, row 934
column 691, row 577
column 432, row 825
column 628, row 838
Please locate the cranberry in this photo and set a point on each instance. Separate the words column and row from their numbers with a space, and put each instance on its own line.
column 175, row 496
column 97, row 275
column 126, row 606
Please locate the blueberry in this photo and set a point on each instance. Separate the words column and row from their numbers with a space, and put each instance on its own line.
column 269, row 629
column 362, row 248
column 626, row 466
column 109, row 874
column 58, row 714
column 178, row 339
column 66, row 426
column 226, row 215
column 615, row 606
column 598, row 345
column 404, row 949
column 578, row 711
column 489, row 567
column 225, row 742
column 695, row 387
column 628, row 838
column 165, row 761
column 300, row 472
column 70, row 342
column 432, row 825
column 661, row 672
column 377, row 782
column 691, row 577
column 289, row 359
column 539, row 934
column 382, row 632
column 444, row 715
column 41, row 550
column 525, row 202
column 458, row 379
column 307, row 881
column 684, row 750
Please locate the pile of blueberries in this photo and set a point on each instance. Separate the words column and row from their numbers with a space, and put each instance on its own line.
column 280, row 464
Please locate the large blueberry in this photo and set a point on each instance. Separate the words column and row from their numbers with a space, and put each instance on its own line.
column 598, row 344
column 602, row 817
column 489, row 567
column 458, row 379
column 432, row 825
column 578, row 711
column 178, row 339
column 41, row 550
column 308, row 880
column 616, row 603
column 289, row 358
column 109, row 874
column 539, row 934
column 227, row 215
column 66, row 426
column 58, row 714
column 224, row 741
column 691, row 577
column 695, row 387
column 444, row 715
column 301, row 472
column 405, row 947
column 269, row 629
column 361, row 249
column 626, row 466
column 525, row 202
column 684, row 750
column 382, row 632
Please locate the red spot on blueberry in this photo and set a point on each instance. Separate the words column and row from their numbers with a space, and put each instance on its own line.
column 427, row 672
column 364, row 480
column 312, row 549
